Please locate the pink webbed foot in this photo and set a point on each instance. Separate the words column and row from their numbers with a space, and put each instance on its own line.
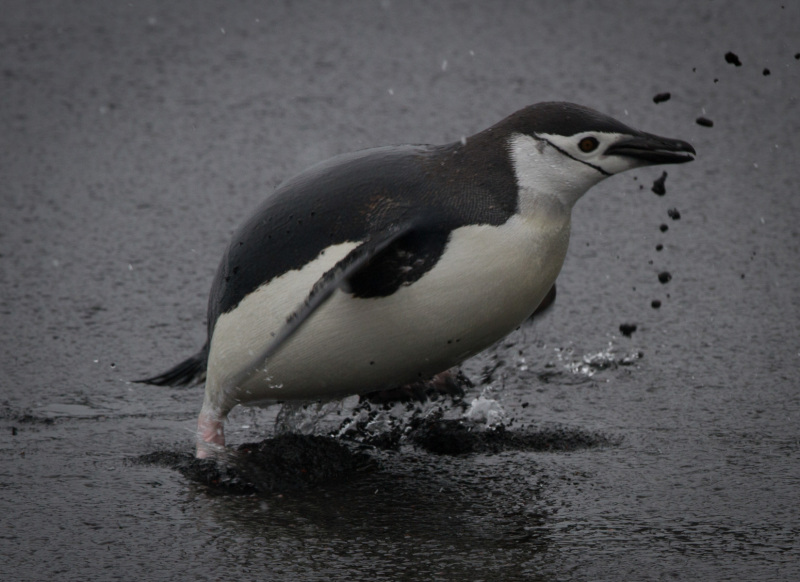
column 210, row 435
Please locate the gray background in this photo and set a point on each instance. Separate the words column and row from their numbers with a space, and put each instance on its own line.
column 134, row 136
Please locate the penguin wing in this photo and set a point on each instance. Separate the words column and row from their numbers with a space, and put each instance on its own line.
column 337, row 277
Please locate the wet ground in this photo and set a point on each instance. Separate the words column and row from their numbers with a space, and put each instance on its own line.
column 136, row 136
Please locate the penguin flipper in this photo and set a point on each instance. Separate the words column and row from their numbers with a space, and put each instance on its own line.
column 335, row 278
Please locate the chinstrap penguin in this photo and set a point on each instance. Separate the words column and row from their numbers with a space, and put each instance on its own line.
column 387, row 266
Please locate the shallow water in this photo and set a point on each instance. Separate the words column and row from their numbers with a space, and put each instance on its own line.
column 135, row 137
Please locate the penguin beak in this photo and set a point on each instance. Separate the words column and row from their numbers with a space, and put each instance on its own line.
column 653, row 149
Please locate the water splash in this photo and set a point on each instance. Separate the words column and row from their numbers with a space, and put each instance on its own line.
column 487, row 411
column 308, row 418
column 589, row 364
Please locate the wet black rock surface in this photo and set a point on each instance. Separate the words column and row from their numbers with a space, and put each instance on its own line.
column 137, row 136
column 292, row 462
column 278, row 465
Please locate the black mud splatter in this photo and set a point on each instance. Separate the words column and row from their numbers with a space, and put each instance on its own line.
column 661, row 97
column 627, row 329
column 658, row 186
column 733, row 59
column 704, row 121
column 281, row 464
column 292, row 462
column 460, row 437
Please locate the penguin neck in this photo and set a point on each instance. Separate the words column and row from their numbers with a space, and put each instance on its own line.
column 549, row 183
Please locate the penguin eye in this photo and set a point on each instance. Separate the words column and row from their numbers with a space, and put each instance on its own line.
column 588, row 144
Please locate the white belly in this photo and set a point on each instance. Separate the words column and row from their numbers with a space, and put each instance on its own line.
column 486, row 283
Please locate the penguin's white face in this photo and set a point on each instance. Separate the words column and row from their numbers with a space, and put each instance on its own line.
column 551, row 166
column 554, row 170
column 590, row 149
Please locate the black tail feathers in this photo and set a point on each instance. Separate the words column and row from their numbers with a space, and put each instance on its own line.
column 188, row 372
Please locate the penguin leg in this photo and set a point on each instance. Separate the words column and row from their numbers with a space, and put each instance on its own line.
column 450, row 382
column 210, row 434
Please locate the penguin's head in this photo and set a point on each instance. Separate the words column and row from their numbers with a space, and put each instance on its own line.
column 561, row 150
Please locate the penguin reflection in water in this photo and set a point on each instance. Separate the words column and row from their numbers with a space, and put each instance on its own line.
column 390, row 265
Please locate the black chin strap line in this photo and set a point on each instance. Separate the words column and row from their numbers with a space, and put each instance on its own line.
column 598, row 168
